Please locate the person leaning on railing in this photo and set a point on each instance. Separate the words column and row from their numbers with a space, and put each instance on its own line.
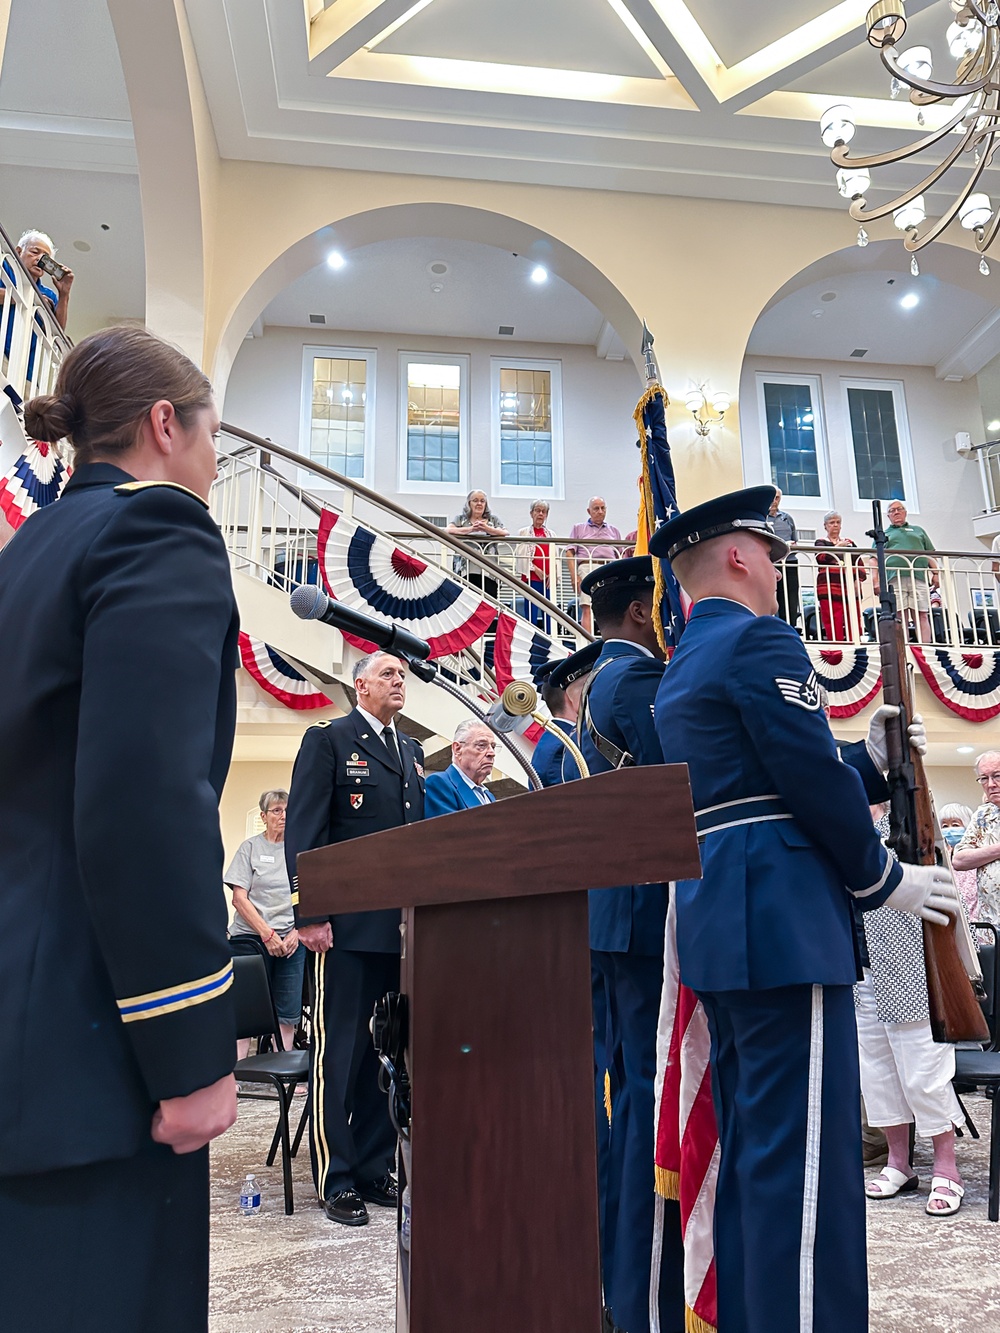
column 534, row 563
column 833, row 581
column 476, row 524
column 910, row 575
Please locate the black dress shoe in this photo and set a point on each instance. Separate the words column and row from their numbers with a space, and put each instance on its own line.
column 383, row 1191
column 347, row 1207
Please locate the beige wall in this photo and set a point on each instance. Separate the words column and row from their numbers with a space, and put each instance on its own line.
column 956, row 783
column 949, row 492
column 243, row 787
column 264, row 395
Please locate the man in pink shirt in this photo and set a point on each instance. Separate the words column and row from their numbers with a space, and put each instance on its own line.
column 582, row 559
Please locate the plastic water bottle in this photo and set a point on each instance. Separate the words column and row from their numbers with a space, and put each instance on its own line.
column 250, row 1197
column 404, row 1232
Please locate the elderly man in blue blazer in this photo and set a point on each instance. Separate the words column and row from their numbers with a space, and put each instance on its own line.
column 462, row 785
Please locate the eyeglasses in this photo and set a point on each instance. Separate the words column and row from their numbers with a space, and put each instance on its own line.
column 984, row 779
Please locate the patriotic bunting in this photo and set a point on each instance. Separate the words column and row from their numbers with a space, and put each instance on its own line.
column 32, row 474
column 368, row 573
column 851, row 677
column 278, row 677
column 966, row 681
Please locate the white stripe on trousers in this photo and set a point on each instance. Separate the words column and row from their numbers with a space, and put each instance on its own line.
column 810, row 1183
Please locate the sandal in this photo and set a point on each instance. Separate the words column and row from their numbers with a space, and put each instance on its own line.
column 946, row 1191
column 889, row 1182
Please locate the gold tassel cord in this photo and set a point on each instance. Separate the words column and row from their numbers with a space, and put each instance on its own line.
column 607, row 1094
column 647, row 500
column 693, row 1323
column 667, row 1183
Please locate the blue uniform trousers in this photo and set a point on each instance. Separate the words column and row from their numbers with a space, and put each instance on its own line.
column 351, row 1139
column 790, row 1207
column 607, row 1062
column 634, row 983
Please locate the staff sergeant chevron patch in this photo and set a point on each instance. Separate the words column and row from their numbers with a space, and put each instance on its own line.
column 803, row 693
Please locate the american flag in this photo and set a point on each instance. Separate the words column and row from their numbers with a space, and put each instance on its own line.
column 659, row 502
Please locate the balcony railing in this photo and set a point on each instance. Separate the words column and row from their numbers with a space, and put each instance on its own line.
column 32, row 342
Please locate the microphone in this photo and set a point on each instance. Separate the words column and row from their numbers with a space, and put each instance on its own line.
column 311, row 603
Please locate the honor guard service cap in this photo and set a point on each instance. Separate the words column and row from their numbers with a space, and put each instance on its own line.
column 739, row 511
column 638, row 569
column 569, row 669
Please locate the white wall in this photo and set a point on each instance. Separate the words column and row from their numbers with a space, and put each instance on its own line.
column 949, row 493
column 264, row 395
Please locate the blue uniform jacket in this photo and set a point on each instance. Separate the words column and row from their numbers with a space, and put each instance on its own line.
column 118, row 655
column 551, row 760
column 344, row 785
column 447, row 792
column 739, row 705
column 630, row 919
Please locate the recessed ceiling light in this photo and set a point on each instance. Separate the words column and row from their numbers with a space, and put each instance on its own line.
column 335, row 259
column 966, row 749
column 82, row 246
column 910, row 300
column 993, row 425
column 828, row 296
column 438, row 267
column 539, row 274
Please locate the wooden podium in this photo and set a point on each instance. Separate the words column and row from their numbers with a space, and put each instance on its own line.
column 496, row 965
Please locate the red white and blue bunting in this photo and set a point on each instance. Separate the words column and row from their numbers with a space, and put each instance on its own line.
column 278, row 677
column 368, row 573
column 851, row 677
column 966, row 681
column 518, row 651
column 32, row 474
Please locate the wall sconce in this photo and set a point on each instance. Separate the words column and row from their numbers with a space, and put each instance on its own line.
column 697, row 403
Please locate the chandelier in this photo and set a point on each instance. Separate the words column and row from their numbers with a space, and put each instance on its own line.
column 974, row 43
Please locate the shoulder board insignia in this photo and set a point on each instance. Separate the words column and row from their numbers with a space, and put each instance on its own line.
column 322, row 724
column 801, row 693
column 132, row 487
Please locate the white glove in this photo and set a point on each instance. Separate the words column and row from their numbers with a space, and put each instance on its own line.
column 928, row 892
column 876, row 744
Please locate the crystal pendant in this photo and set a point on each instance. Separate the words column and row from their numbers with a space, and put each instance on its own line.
column 862, row 237
column 895, row 88
column 920, row 118
column 992, row 13
column 915, row 267
column 984, row 268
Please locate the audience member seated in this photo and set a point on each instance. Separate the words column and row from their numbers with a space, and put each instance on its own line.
column 582, row 559
column 905, row 1075
column 264, row 922
column 461, row 785
column 783, row 525
column 534, row 564
column 979, row 847
column 836, row 582
column 476, row 524
column 955, row 819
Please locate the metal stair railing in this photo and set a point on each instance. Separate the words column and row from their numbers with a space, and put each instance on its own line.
column 32, row 342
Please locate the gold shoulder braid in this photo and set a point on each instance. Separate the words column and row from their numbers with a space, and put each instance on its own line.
column 131, row 487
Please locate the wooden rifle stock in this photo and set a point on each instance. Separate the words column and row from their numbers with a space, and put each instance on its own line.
column 955, row 1014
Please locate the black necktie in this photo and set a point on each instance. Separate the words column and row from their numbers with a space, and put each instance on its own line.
column 390, row 745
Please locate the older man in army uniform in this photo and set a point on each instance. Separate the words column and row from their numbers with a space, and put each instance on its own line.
column 765, row 937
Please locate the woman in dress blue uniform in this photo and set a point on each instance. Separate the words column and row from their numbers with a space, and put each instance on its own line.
column 765, row 937
column 118, row 640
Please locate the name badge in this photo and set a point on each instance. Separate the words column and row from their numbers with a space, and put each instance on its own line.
column 356, row 772
column 268, row 859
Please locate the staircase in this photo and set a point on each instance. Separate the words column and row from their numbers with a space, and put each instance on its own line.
column 287, row 521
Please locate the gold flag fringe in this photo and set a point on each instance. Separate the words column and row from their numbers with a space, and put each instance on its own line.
column 694, row 1323
column 667, row 1183
column 607, row 1095
column 647, row 501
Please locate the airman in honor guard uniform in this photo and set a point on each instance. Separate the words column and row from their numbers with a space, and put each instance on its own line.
column 355, row 775
column 118, row 654
column 765, row 937
column 562, row 683
column 626, row 941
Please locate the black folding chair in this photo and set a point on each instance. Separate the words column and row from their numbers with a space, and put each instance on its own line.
column 980, row 1067
column 255, row 1017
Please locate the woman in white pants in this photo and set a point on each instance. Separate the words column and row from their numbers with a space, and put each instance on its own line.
column 905, row 1075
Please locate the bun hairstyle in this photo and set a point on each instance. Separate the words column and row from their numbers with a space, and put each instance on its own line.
column 106, row 387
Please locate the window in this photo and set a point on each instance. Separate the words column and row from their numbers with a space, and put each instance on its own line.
column 433, row 422
column 881, row 462
column 527, row 427
column 794, row 448
column 337, row 415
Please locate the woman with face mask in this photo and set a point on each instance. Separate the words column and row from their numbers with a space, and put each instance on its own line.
column 954, row 821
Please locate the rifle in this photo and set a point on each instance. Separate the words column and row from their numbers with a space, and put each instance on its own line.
column 954, row 981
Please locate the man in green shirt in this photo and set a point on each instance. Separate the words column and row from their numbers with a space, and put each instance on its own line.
column 908, row 574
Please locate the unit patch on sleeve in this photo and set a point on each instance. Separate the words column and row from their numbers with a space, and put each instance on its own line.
column 802, row 693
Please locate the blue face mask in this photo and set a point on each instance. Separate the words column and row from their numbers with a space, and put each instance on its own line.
column 953, row 836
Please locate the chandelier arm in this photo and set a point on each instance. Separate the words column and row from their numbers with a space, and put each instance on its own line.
column 861, row 213
column 841, row 156
column 979, row 13
column 913, row 242
column 936, row 90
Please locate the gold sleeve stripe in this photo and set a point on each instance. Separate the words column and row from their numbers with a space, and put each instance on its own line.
column 168, row 1001
column 295, row 900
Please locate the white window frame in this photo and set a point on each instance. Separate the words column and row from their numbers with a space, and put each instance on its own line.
column 557, row 490
column 824, row 501
column 328, row 351
column 461, row 487
column 863, row 504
